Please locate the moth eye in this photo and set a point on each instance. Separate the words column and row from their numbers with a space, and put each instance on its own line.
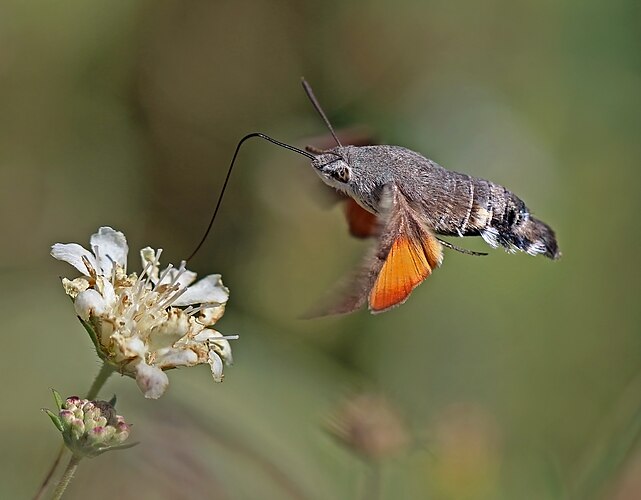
column 341, row 174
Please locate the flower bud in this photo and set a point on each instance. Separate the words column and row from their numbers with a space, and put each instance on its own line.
column 89, row 428
column 370, row 425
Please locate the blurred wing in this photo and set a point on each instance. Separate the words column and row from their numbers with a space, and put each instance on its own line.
column 405, row 254
column 353, row 136
column 362, row 224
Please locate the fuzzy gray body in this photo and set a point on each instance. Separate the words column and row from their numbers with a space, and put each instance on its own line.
column 450, row 203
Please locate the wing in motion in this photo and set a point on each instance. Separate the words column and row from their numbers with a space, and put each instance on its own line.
column 405, row 254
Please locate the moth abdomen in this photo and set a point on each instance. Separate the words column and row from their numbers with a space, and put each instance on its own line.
column 475, row 207
column 513, row 227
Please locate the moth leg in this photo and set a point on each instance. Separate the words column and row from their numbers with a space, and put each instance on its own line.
column 459, row 249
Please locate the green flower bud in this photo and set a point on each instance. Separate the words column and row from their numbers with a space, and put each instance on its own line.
column 89, row 428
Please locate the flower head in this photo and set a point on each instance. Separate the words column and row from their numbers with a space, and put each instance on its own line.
column 149, row 323
column 369, row 425
column 89, row 428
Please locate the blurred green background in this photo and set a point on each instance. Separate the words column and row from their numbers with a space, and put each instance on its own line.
column 516, row 377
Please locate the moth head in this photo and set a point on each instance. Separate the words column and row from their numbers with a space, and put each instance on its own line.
column 355, row 171
column 333, row 169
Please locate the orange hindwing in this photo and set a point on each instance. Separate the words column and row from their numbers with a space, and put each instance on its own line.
column 362, row 224
column 409, row 262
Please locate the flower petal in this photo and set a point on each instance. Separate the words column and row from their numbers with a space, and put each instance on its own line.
column 72, row 253
column 174, row 327
column 106, row 289
column 211, row 314
column 207, row 290
column 152, row 380
column 217, row 343
column 223, row 348
column 128, row 347
column 90, row 303
column 109, row 246
column 216, row 366
column 173, row 357
column 74, row 287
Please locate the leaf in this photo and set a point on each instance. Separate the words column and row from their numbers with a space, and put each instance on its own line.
column 55, row 419
column 57, row 398
column 92, row 335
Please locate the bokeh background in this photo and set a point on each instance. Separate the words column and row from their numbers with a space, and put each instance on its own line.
column 513, row 377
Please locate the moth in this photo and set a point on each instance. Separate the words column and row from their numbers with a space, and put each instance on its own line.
column 406, row 201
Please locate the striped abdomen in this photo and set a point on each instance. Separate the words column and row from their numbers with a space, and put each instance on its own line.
column 466, row 206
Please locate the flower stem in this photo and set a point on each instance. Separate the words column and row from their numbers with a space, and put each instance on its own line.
column 372, row 489
column 105, row 371
column 52, row 469
column 66, row 477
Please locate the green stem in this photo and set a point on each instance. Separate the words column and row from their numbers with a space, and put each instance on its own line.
column 66, row 478
column 105, row 372
column 52, row 469
column 372, row 489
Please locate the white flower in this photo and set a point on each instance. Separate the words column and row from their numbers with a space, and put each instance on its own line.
column 146, row 324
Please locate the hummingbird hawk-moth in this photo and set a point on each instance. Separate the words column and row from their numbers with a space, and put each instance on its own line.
column 406, row 201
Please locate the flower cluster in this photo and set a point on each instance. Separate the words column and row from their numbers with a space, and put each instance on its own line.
column 89, row 428
column 145, row 324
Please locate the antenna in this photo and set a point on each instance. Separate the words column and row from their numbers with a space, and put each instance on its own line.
column 310, row 94
column 231, row 166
